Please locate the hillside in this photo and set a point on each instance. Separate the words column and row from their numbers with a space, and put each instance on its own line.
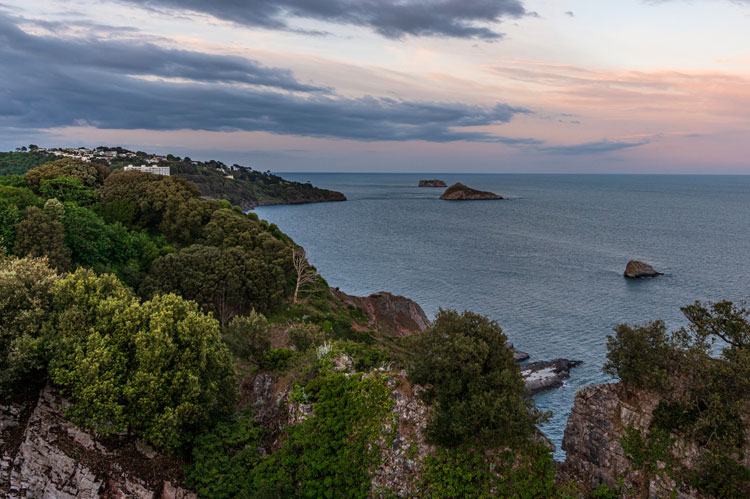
column 240, row 185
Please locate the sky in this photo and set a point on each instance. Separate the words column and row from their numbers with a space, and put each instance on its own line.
column 529, row 86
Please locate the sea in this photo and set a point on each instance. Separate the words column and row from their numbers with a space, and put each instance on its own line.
column 546, row 263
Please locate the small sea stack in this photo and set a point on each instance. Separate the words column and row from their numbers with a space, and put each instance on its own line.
column 460, row 192
column 637, row 270
column 431, row 183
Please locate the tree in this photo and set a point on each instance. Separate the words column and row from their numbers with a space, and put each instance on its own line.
column 89, row 174
column 25, row 302
column 38, row 235
column 641, row 356
column 158, row 369
column 67, row 189
column 304, row 335
column 10, row 215
column 472, row 383
column 305, row 274
column 248, row 337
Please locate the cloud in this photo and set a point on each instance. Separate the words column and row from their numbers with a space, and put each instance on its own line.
column 390, row 18
column 56, row 82
column 598, row 147
column 128, row 57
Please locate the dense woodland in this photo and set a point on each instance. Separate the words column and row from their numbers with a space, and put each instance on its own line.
column 148, row 306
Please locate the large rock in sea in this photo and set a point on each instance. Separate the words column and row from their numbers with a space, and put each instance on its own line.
column 547, row 374
column 431, row 183
column 460, row 192
column 636, row 269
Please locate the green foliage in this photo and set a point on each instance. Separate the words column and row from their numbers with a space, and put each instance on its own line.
column 67, row 189
column 476, row 391
column 158, row 368
column 646, row 451
column 304, row 335
column 606, row 492
column 225, row 281
column 248, row 188
column 19, row 196
column 13, row 180
column 703, row 399
column 25, row 300
column 334, row 453
column 525, row 473
column 18, row 163
column 10, row 215
column 721, row 477
column 278, row 358
column 248, row 337
column 90, row 175
column 224, row 457
column 38, row 235
column 640, row 355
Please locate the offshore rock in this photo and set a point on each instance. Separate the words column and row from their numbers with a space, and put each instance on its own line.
column 636, row 270
column 518, row 355
column 388, row 313
column 547, row 375
column 431, row 183
column 43, row 455
column 460, row 192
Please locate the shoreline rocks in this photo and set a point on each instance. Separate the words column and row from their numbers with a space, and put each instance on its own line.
column 547, row 374
column 389, row 313
column 460, row 192
column 432, row 183
column 637, row 270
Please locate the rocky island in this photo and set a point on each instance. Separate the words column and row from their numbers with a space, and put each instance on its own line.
column 460, row 192
column 432, row 183
column 636, row 270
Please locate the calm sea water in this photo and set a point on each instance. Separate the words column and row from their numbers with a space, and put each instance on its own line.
column 546, row 264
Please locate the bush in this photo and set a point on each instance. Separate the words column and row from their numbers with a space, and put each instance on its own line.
column 475, row 389
column 248, row 337
column 158, row 369
column 25, row 300
column 304, row 335
column 640, row 355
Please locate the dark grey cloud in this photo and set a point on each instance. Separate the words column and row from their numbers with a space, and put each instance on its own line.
column 598, row 147
column 128, row 57
column 55, row 82
column 390, row 18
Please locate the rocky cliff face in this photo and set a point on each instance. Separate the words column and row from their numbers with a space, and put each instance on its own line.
column 595, row 454
column 45, row 456
column 460, row 192
column 391, row 314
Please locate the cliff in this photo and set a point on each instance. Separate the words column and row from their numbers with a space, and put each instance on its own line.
column 460, row 192
column 43, row 455
column 391, row 314
column 594, row 437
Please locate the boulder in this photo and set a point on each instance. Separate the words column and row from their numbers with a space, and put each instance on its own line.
column 431, row 183
column 460, row 192
column 636, row 270
column 547, row 375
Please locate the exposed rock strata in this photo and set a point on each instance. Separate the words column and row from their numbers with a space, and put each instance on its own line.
column 547, row 375
column 636, row 270
column 431, row 183
column 460, row 192
column 388, row 313
column 54, row 459
column 594, row 452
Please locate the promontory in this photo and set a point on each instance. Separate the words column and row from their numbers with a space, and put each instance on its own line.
column 460, row 192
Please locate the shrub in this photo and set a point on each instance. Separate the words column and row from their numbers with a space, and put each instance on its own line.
column 475, row 389
column 640, row 355
column 25, row 300
column 158, row 369
column 304, row 335
column 248, row 337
